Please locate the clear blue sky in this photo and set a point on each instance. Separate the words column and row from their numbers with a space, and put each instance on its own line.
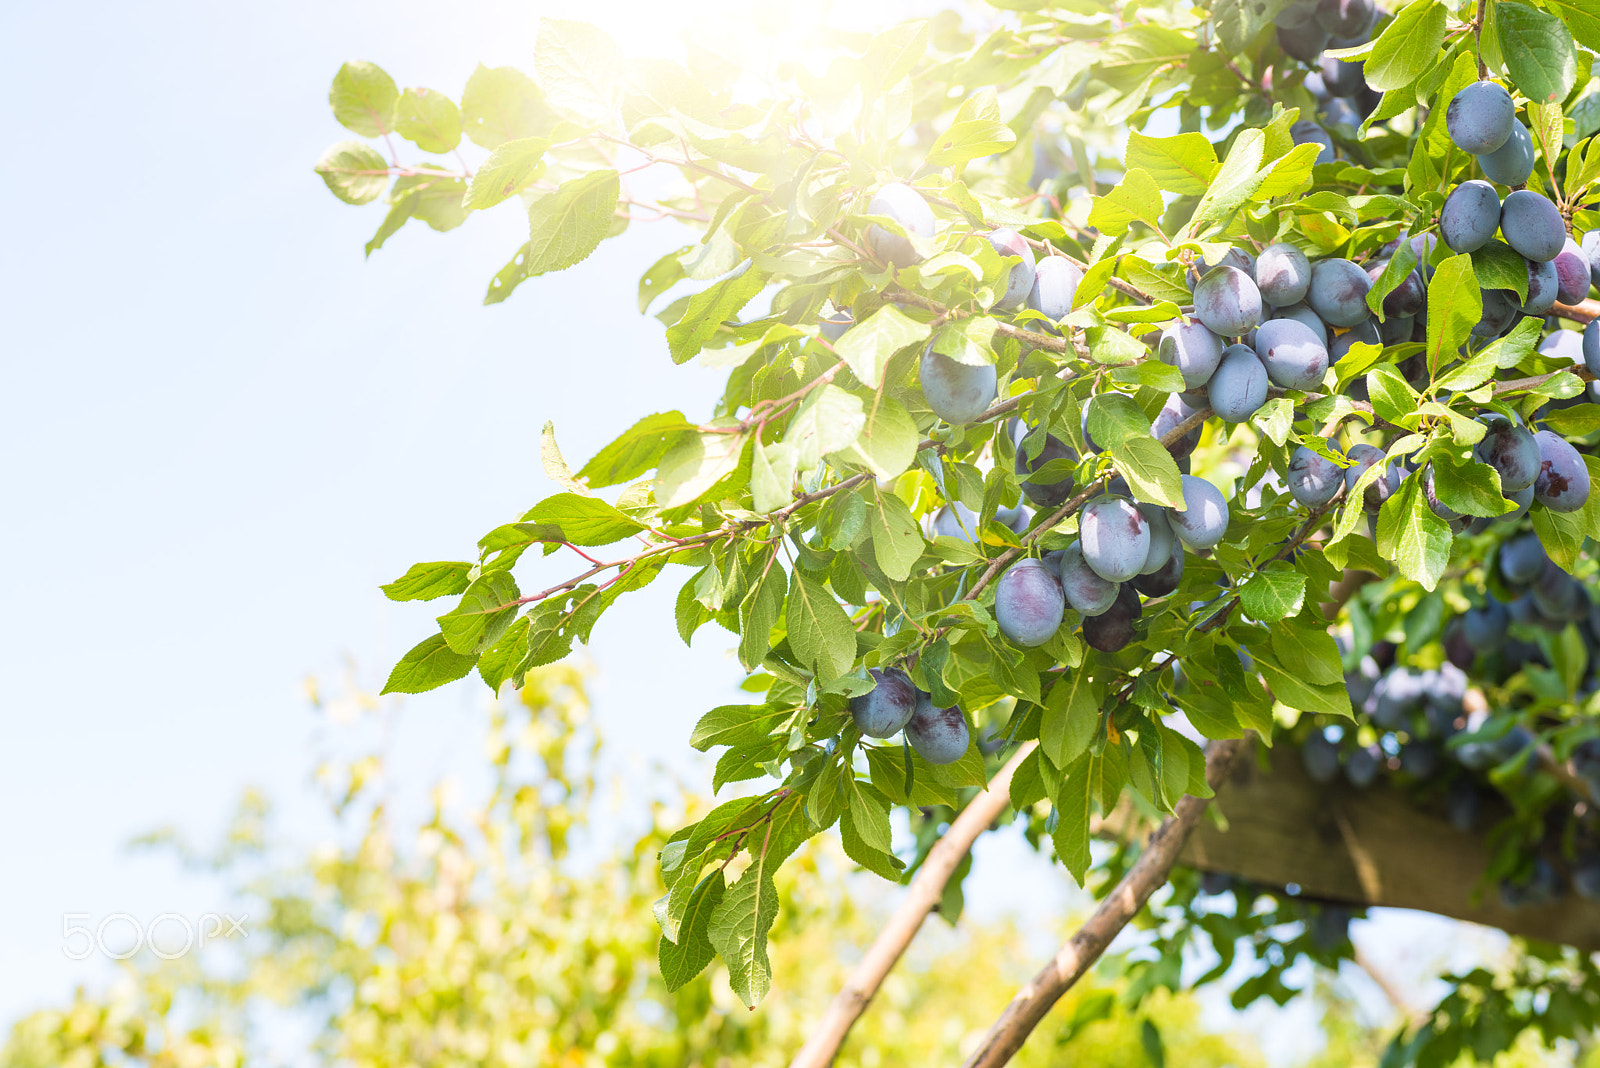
column 223, row 429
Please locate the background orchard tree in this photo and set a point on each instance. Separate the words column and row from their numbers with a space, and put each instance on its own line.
column 1100, row 382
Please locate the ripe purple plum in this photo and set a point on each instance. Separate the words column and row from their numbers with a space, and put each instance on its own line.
column 1045, row 494
column 1511, row 450
column 1113, row 629
column 1171, row 416
column 1193, row 349
column 1382, row 486
column 1302, row 313
column 1543, row 286
column 1590, row 244
column 905, row 206
column 1165, row 579
column 1295, row 358
column 1499, row 313
column 1227, row 301
column 1591, row 347
column 1343, row 77
column 1283, row 274
column 884, row 710
column 1346, row 18
column 939, row 735
column 1479, row 118
column 957, row 392
column 1240, row 385
column 1020, row 281
column 1338, row 292
column 1522, row 559
column 1306, row 132
column 1087, row 593
column 1204, row 519
column 1162, row 538
column 1115, row 538
column 1029, row 603
column 1470, row 216
column 1532, row 225
column 1314, row 480
column 1563, row 482
column 1055, row 283
column 1572, row 273
column 1485, row 627
column 1512, row 162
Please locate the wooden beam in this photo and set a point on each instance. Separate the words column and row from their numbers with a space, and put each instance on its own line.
column 1363, row 847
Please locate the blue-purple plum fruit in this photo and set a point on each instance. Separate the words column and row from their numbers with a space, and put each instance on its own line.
column 1532, row 225
column 1239, row 386
column 1572, row 273
column 1337, row 111
column 1512, row 162
column 1304, row 42
column 1029, row 603
column 1283, row 274
column 1395, row 330
column 1165, row 579
column 1298, row 13
column 1470, row 216
column 956, row 520
column 1381, row 487
column 1045, row 494
column 1522, row 559
column 1306, row 132
column 887, row 708
column 1346, row 18
column 1243, row 259
column 1511, row 450
column 835, row 323
column 1591, row 347
column 1172, row 415
column 1295, row 358
column 1302, row 313
column 1314, row 480
column 1499, row 313
column 1591, row 252
column 1203, row 522
column 1563, row 482
column 1559, row 596
column 1193, row 349
column 1227, row 301
column 1479, row 118
column 1342, row 77
column 1408, row 297
column 1162, row 539
column 1543, row 287
column 1086, row 592
column 905, row 206
column 1338, row 292
column 1113, row 629
column 1020, row 281
column 957, row 392
column 1321, row 757
column 1055, row 283
column 1485, row 627
column 1563, row 345
column 1115, row 538
column 1366, row 332
column 1015, row 519
column 939, row 735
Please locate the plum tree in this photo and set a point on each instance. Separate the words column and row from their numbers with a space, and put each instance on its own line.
column 1029, row 603
column 884, row 710
column 1293, row 355
column 1338, row 292
column 1227, row 301
column 907, row 207
column 1479, row 117
column 1283, row 274
column 1115, row 538
column 939, row 735
column 1532, row 225
column 957, row 392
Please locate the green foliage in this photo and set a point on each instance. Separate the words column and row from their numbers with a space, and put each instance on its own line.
column 804, row 503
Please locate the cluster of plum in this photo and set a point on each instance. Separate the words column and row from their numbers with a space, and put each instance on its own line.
column 1344, row 99
column 939, row 735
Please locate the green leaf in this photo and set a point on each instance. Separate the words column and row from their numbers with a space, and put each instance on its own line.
column 504, row 174
column 686, row 958
column 1561, row 534
column 362, row 97
column 865, row 829
column 829, row 419
column 486, row 610
column 1393, row 399
column 1470, row 488
column 771, row 475
column 867, row 347
column 820, row 633
column 696, row 463
column 762, row 606
column 1151, row 471
column 583, row 520
column 1183, row 164
column 1288, row 174
column 888, row 442
column 1311, row 654
column 1295, row 692
column 1455, row 304
column 567, row 225
column 637, row 450
column 970, row 139
column 424, row 582
column 1497, row 266
column 1115, row 418
column 429, row 665
column 1581, row 19
column 896, row 539
column 1408, row 47
column 1072, row 806
column 1071, row 717
column 740, row 924
column 1238, row 22
column 500, row 661
column 1578, row 421
column 428, row 119
column 1538, row 51
column 579, row 67
column 1233, row 185
column 1136, row 198
column 432, row 198
column 1412, row 536
column 354, row 172
column 708, row 310
column 1275, row 592
column 501, row 104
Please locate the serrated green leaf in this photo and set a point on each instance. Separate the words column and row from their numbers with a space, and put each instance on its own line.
column 867, row 347
column 362, row 97
column 969, row 139
column 760, row 609
column 896, row 539
column 687, row 957
column 1455, row 304
column 1071, row 717
column 1151, row 471
column 1239, row 177
column 637, row 450
column 820, row 633
column 486, row 609
column 428, row 119
column 695, row 463
column 1408, row 46
column 1412, row 536
column 1136, row 198
column 740, row 923
column 1275, row 592
column 888, row 441
column 580, row 68
column 506, row 172
column 430, row 664
column 1073, row 812
column 829, row 419
column 568, row 224
column 1538, row 51
column 1183, row 164
column 424, row 582
column 354, row 172
column 707, row 311
column 583, row 520
column 501, row 104
column 1496, row 265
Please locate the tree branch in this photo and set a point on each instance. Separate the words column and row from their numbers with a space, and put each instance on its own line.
column 1148, row 874
column 1585, row 311
column 926, row 889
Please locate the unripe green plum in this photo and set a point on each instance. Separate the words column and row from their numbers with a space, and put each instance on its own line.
column 1115, row 538
column 957, row 392
column 939, row 735
column 1204, row 519
column 905, row 206
column 887, row 707
column 1029, row 603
